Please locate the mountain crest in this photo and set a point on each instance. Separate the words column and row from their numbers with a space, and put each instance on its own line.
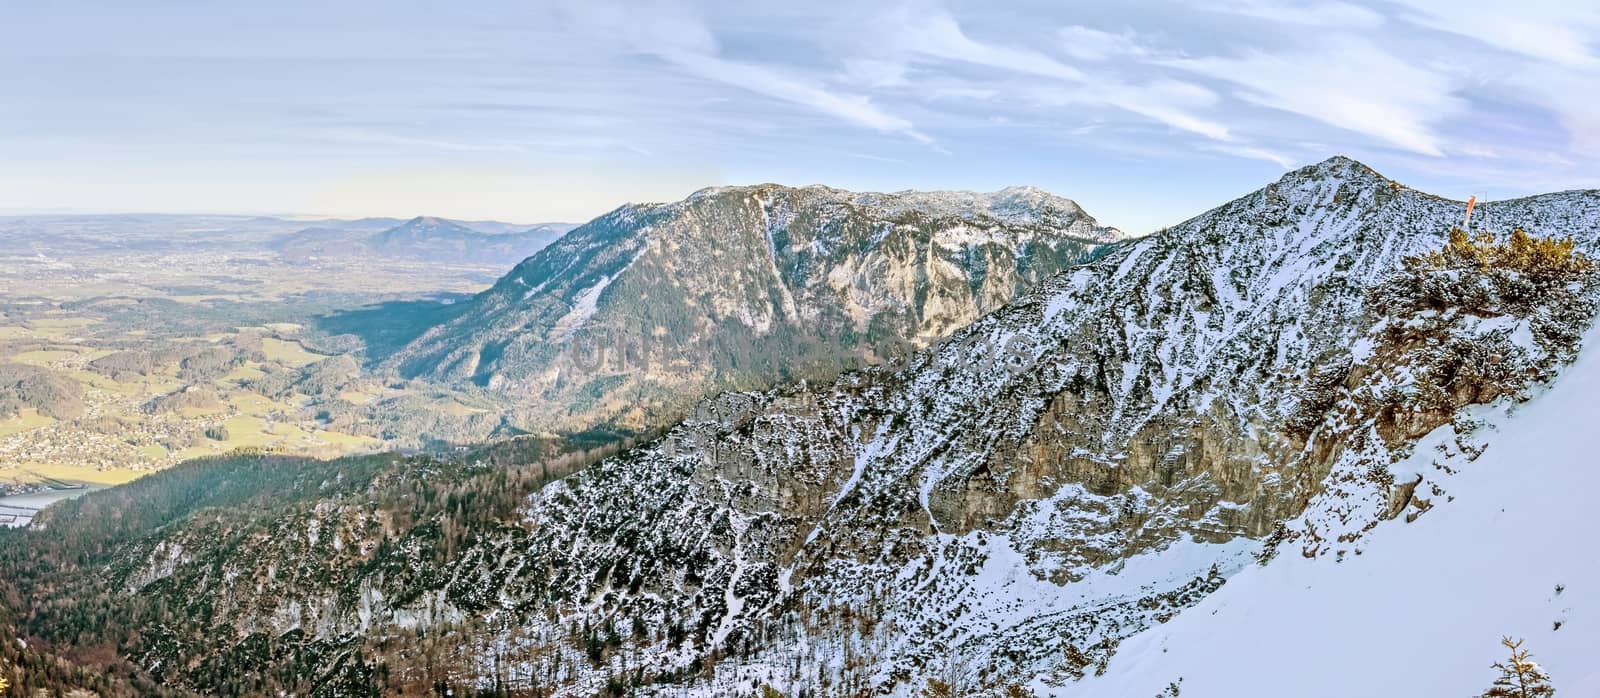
column 768, row 281
column 1344, row 168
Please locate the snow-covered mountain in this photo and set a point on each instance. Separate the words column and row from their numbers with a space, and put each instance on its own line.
column 635, row 315
column 1084, row 492
column 1065, row 472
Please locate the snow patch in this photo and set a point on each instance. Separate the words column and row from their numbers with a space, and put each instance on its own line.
column 1421, row 609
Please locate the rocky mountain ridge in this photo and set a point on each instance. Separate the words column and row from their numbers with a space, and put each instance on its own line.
column 634, row 315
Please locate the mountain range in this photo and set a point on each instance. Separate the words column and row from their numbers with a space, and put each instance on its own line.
column 630, row 318
column 423, row 239
column 1095, row 457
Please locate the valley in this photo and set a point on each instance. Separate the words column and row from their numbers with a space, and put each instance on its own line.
column 159, row 339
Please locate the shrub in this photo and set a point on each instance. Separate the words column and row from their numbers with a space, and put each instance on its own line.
column 1541, row 259
column 1479, row 275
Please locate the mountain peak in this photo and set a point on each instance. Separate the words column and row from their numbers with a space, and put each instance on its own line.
column 1341, row 166
column 1013, row 205
column 430, row 222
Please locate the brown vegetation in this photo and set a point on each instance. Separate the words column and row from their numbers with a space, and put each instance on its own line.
column 1538, row 258
column 22, row 386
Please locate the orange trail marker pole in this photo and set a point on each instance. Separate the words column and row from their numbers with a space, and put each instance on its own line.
column 1467, row 224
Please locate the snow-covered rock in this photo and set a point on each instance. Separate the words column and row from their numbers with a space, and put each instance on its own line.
column 1422, row 607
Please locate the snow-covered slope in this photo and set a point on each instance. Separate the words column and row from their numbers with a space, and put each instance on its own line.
column 1420, row 611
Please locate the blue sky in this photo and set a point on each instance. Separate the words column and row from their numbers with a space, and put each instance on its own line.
column 1145, row 112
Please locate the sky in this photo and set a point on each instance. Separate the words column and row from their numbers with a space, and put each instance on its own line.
column 1145, row 112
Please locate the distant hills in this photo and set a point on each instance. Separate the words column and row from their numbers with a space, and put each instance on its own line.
column 423, row 238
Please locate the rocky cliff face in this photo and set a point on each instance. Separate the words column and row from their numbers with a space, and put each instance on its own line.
column 1007, row 505
column 634, row 315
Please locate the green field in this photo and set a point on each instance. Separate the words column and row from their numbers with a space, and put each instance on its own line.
column 158, row 308
column 25, row 420
column 288, row 352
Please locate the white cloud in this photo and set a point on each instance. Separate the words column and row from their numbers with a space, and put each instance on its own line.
column 765, row 90
column 1561, row 32
column 956, row 91
column 938, row 35
column 679, row 37
column 1251, row 152
column 1571, row 96
column 772, row 83
column 1088, row 44
column 874, row 73
column 1345, row 82
column 1558, row 44
column 1168, row 102
column 1315, row 14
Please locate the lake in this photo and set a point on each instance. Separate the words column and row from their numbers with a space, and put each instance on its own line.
column 17, row 510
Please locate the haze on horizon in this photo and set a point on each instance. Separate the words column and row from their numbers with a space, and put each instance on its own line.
column 1146, row 113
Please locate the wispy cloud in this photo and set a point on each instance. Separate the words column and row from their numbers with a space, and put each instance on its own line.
column 1308, row 14
column 1251, row 152
column 1553, row 47
column 1345, row 82
column 1088, row 44
column 937, row 35
column 677, row 35
column 1560, row 32
column 372, row 137
column 1468, row 95
column 855, row 109
column 873, row 73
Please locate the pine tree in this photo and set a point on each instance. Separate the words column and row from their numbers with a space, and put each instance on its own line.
column 1521, row 677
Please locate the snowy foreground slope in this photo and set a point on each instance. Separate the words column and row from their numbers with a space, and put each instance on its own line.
column 1420, row 611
